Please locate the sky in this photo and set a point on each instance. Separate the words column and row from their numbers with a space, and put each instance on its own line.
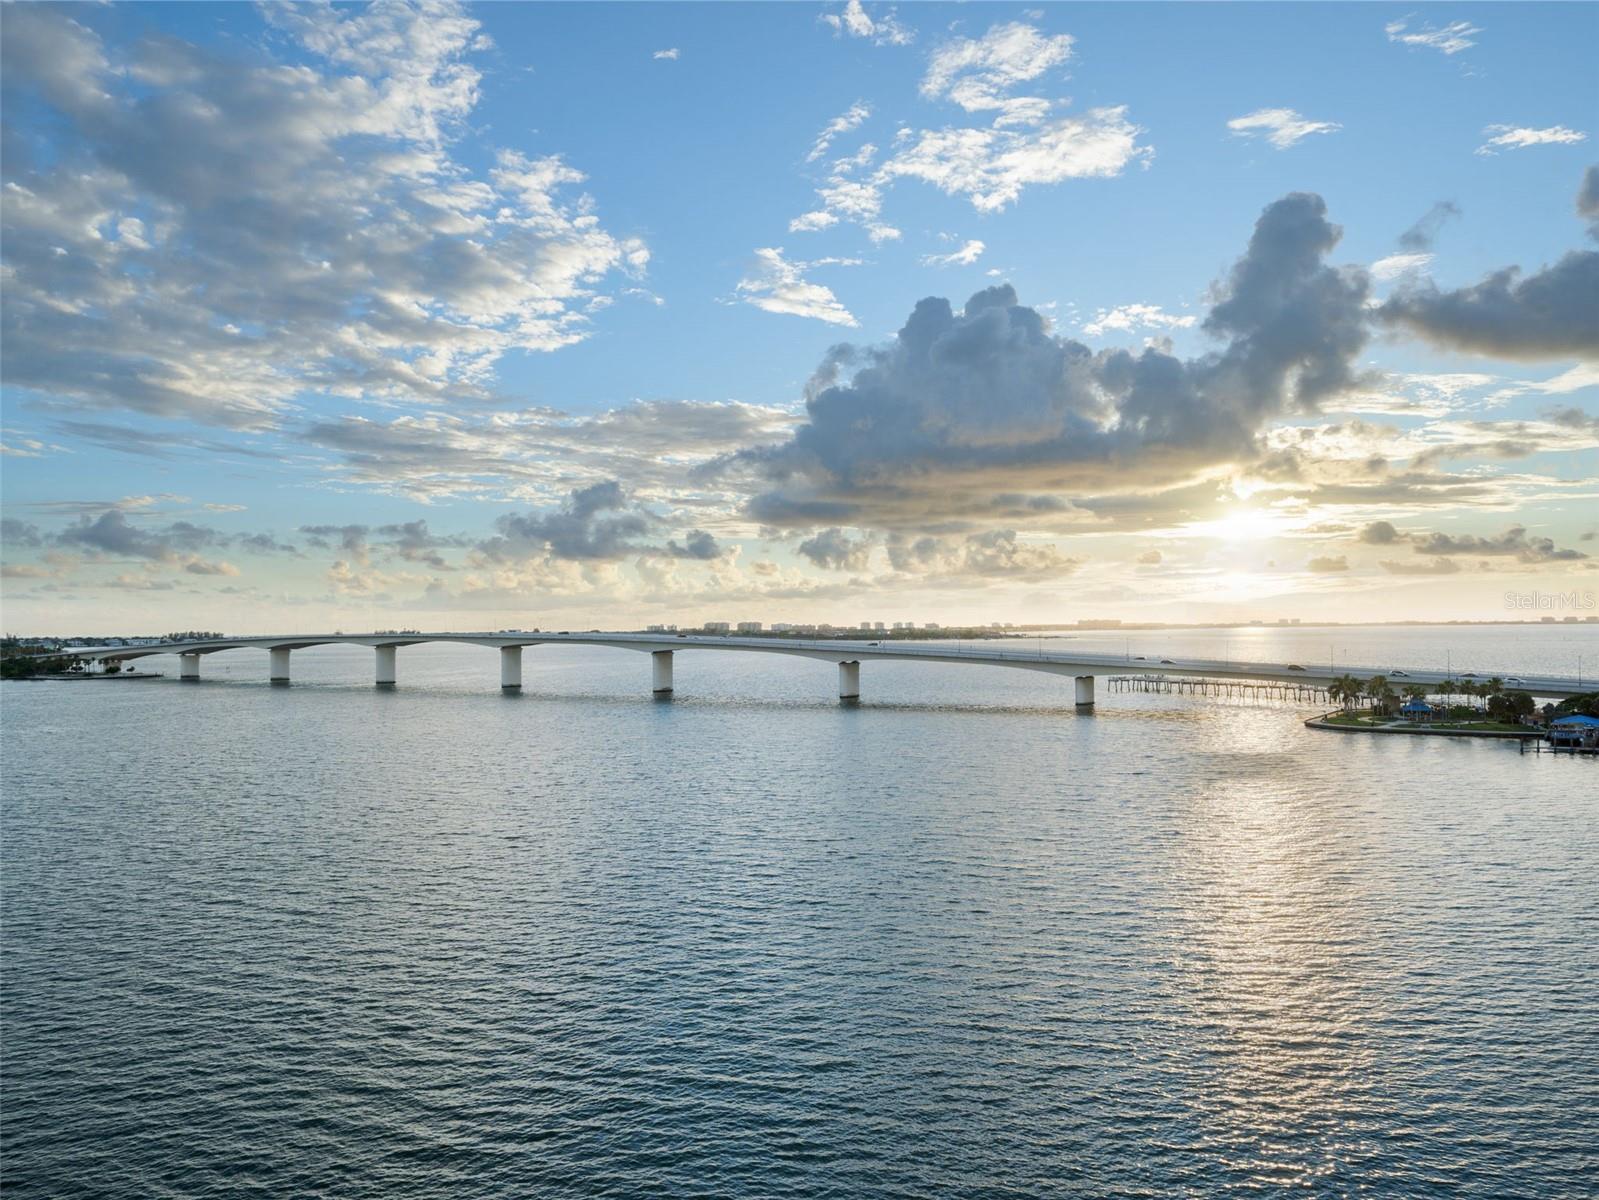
column 516, row 316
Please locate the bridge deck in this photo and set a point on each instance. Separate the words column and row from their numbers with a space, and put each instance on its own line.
column 1007, row 652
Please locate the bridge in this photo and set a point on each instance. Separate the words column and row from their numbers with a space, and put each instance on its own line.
column 849, row 655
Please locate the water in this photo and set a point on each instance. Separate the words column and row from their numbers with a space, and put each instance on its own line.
column 327, row 940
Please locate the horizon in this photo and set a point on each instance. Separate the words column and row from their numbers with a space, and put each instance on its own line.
column 317, row 318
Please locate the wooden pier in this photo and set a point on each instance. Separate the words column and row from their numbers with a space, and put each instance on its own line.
column 1241, row 689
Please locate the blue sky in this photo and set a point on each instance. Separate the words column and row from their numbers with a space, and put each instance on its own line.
column 556, row 282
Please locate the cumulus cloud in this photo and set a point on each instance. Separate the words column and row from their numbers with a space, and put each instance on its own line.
column 112, row 535
column 1439, row 566
column 1514, row 542
column 1518, row 137
column 670, row 55
column 1135, row 318
column 780, row 286
column 964, row 257
column 1549, row 314
column 1282, row 127
column 854, row 21
column 963, row 408
column 833, row 550
column 1327, row 565
column 598, row 523
column 190, row 235
column 1449, row 39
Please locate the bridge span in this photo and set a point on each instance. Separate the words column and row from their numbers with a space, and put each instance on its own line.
column 849, row 655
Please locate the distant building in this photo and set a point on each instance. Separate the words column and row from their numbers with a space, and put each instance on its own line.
column 749, row 626
column 717, row 627
column 932, row 625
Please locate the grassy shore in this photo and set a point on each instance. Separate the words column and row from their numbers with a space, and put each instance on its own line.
column 1372, row 723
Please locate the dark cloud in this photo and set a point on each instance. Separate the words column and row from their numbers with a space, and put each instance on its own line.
column 19, row 533
column 1424, row 232
column 1588, row 199
column 112, row 535
column 835, row 551
column 697, row 545
column 413, row 542
column 997, row 554
column 1553, row 313
column 352, row 539
column 1513, row 542
column 919, row 430
column 596, row 522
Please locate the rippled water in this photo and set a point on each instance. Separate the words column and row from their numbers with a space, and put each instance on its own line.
column 956, row 941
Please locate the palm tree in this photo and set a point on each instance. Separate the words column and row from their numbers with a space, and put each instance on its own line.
column 1494, row 686
column 1346, row 690
column 1379, row 691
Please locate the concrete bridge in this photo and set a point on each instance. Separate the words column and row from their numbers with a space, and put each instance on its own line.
column 849, row 655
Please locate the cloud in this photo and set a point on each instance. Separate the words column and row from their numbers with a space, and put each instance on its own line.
column 1450, row 39
column 998, row 553
column 1441, row 566
column 780, row 286
column 854, row 21
column 1424, row 232
column 1513, row 137
column 1588, row 200
column 1282, row 127
column 1130, row 318
column 1513, row 542
column 991, row 166
column 698, row 545
column 671, row 54
column 833, row 550
column 190, row 235
column 1324, row 566
column 965, row 408
column 111, row 534
column 1150, row 558
column 19, row 533
column 1550, row 314
column 846, row 121
column 979, row 73
column 988, row 165
column 964, row 257
column 598, row 523
column 1395, row 266
column 539, row 454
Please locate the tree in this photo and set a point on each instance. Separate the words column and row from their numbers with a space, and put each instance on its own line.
column 1511, row 707
column 1346, row 690
column 1381, row 694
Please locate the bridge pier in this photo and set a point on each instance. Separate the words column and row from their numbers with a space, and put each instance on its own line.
column 849, row 681
column 189, row 667
column 386, row 673
column 278, row 667
column 661, row 672
column 1085, row 693
column 510, row 668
